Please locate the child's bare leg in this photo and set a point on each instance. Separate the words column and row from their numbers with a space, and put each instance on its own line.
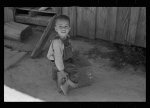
column 58, row 87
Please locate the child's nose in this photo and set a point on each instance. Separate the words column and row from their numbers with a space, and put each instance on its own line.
column 63, row 29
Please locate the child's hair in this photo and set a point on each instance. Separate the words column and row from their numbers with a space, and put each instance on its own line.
column 62, row 17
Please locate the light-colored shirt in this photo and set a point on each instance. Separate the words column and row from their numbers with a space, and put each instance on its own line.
column 55, row 52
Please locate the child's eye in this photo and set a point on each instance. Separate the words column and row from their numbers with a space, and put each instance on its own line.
column 61, row 27
column 66, row 26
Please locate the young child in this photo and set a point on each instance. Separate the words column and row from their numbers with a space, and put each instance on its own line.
column 66, row 63
column 60, row 49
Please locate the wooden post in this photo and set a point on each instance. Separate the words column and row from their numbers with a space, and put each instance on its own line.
column 44, row 38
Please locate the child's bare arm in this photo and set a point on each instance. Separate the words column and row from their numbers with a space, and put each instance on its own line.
column 58, row 55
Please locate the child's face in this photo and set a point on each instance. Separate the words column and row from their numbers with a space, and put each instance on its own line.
column 62, row 28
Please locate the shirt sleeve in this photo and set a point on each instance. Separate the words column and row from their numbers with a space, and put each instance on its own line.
column 58, row 54
column 49, row 52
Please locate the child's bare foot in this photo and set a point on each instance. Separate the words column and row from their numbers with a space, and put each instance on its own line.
column 60, row 91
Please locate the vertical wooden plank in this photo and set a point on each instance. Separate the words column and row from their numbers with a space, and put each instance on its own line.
column 140, row 39
column 8, row 14
column 91, row 15
column 72, row 14
column 86, row 21
column 75, row 21
column 110, row 27
column 101, row 22
column 65, row 10
column 133, row 24
column 79, row 20
column 123, row 18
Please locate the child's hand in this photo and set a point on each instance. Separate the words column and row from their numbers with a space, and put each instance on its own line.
column 63, row 74
column 62, row 77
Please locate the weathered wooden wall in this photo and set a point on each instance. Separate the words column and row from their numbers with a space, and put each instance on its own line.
column 125, row 25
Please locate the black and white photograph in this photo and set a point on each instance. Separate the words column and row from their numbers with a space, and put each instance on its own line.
column 74, row 54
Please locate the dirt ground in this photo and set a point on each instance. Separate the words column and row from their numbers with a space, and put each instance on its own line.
column 32, row 77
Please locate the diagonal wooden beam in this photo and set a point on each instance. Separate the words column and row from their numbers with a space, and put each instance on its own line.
column 47, row 32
